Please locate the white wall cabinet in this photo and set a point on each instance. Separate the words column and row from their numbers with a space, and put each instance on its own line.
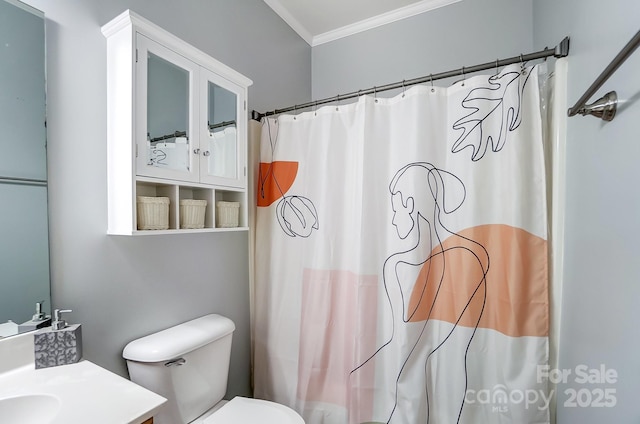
column 177, row 126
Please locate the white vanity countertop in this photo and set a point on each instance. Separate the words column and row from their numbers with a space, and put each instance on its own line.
column 87, row 393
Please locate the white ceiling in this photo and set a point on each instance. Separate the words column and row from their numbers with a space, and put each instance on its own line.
column 321, row 21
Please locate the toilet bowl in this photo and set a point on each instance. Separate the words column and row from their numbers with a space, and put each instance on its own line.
column 188, row 364
column 252, row 411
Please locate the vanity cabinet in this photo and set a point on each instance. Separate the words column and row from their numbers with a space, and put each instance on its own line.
column 177, row 127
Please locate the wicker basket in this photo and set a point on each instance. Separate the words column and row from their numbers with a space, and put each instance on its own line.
column 153, row 213
column 227, row 214
column 192, row 213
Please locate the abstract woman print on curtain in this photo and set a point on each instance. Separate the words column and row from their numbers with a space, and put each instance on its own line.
column 436, row 314
column 421, row 195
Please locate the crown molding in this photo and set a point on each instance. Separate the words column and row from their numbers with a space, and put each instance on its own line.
column 360, row 26
column 283, row 12
column 380, row 20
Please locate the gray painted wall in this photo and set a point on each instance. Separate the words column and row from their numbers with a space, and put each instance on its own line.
column 462, row 34
column 601, row 297
column 121, row 288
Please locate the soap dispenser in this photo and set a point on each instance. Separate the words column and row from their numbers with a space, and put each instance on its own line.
column 39, row 320
column 60, row 344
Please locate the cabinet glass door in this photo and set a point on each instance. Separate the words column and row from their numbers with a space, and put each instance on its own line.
column 220, row 156
column 166, row 104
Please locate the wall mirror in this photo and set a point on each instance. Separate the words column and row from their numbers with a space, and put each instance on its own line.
column 24, row 241
column 167, row 114
column 223, row 138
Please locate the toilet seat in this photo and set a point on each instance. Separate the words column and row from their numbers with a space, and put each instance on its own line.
column 253, row 411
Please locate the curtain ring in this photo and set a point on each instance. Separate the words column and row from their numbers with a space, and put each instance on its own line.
column 497, row 67
column 294, row 112
column 375, row 94
column 403, row 88
column 315, row 108
column 433, row 90
column 463, row 76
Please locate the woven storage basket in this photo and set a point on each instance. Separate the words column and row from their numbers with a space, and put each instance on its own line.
column 227, row 214
column 192, row 213
column 153, row 213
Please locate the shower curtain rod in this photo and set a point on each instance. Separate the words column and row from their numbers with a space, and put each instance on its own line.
column 561, row 50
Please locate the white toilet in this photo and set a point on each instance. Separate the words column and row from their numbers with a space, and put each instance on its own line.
column 189, row 365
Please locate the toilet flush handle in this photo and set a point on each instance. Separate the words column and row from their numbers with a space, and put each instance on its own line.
column 176, row 362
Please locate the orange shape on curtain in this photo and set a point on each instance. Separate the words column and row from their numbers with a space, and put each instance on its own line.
column 274, row 180
column 516, row 282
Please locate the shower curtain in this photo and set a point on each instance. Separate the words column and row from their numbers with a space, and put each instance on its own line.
column 401, row 257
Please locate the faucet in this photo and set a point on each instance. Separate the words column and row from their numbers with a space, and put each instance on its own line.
column 58, row 322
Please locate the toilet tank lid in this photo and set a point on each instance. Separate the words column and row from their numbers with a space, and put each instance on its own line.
column 178, row 340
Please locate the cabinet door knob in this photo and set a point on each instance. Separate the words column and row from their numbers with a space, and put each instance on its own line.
column 196, row 151
column 206, row 153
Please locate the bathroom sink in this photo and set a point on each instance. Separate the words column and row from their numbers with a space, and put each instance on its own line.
column 29, row 409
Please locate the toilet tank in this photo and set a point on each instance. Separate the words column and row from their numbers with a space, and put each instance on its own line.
column 188, row 364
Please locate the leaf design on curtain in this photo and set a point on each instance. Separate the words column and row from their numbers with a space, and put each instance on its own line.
column 494, row 110
column 297, row 216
